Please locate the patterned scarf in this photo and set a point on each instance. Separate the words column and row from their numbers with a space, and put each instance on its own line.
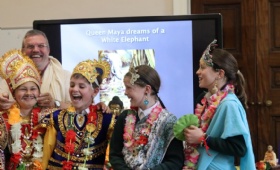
column 159, row 138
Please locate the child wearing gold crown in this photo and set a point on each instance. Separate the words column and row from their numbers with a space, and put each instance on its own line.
column 77, row 137
column 20, row 138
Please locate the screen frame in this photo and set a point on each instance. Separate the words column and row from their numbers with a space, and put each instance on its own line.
column 53, row 34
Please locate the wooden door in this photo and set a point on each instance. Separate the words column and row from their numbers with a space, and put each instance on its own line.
column 268, row 74
column 251, row 34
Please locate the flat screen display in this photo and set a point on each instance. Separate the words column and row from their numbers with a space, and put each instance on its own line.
column 170, row 44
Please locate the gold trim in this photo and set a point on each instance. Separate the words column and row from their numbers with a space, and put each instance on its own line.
column 111, row 127
column 17, row 68
column 63, row 121
column 104, row 66
column 97, row 151
column 60, row 122
column 87, row 69
column 51, row 167
column 4, row 133
column 99, row 124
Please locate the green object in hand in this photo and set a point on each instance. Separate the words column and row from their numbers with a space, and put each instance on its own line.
column 182, row 123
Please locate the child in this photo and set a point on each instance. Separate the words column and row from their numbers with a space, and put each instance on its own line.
column 23, row 141
column 223, row 133
column 81, row 131
column 143, row 138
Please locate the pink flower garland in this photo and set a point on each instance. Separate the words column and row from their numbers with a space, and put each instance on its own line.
column 129, row 128
column 205, row 115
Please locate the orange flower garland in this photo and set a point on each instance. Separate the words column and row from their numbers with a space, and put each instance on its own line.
column 14, row 115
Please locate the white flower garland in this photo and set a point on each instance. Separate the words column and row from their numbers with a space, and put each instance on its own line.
column 17, row 147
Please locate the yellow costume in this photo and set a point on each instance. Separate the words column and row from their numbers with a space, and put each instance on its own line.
column 24, row 139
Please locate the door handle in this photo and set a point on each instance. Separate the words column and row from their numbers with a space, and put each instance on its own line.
column 268, row 103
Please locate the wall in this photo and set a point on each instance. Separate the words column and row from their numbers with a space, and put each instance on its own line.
column 11, row 38
column 17, row 16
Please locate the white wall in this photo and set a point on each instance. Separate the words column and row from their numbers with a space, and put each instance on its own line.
column 16, row 17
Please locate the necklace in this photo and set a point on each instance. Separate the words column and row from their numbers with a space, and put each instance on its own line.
column 80, row 118
column 70, row 138
column 23, row 133
column 27, row 128
column 136, row 143
column 205, row 113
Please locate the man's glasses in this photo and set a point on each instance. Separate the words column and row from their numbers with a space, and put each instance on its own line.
column 31, row 46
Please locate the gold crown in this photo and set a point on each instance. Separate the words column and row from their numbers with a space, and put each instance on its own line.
column 102, row 67
column 87, row 69
column 17, row 68
column 91, row 69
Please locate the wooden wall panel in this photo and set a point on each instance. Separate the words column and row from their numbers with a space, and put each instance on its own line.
column 275, row 26
column 276, row 134
column 231, row 23
column 275, row 77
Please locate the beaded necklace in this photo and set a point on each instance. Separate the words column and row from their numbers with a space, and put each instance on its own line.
column 205, row 113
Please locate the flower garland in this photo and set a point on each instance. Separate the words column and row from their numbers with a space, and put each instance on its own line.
column 139, row 142
column 33, row 140
column 205, row 115
column 70, row 138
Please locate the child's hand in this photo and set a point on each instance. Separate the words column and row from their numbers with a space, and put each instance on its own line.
column 104, row 107
column 5, row 103
column 193, row 134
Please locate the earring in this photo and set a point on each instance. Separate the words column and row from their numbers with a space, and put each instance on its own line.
column 146, row 101
column 215, row 88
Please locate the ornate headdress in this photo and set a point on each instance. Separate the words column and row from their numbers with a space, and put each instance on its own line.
column 102, row 67
column 134, row 72
column 17, row 68
column 91, row 69
column 206, row 56
column 135, row 76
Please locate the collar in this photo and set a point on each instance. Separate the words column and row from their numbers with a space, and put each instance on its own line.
column 84, row 112
column 147, row 111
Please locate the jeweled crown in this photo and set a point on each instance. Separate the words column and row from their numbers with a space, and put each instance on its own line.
column 207, row 57
column 17, row 68
column 90, row 69
column 102, row 67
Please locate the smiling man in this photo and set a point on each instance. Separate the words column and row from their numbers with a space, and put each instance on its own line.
column 55, row 80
